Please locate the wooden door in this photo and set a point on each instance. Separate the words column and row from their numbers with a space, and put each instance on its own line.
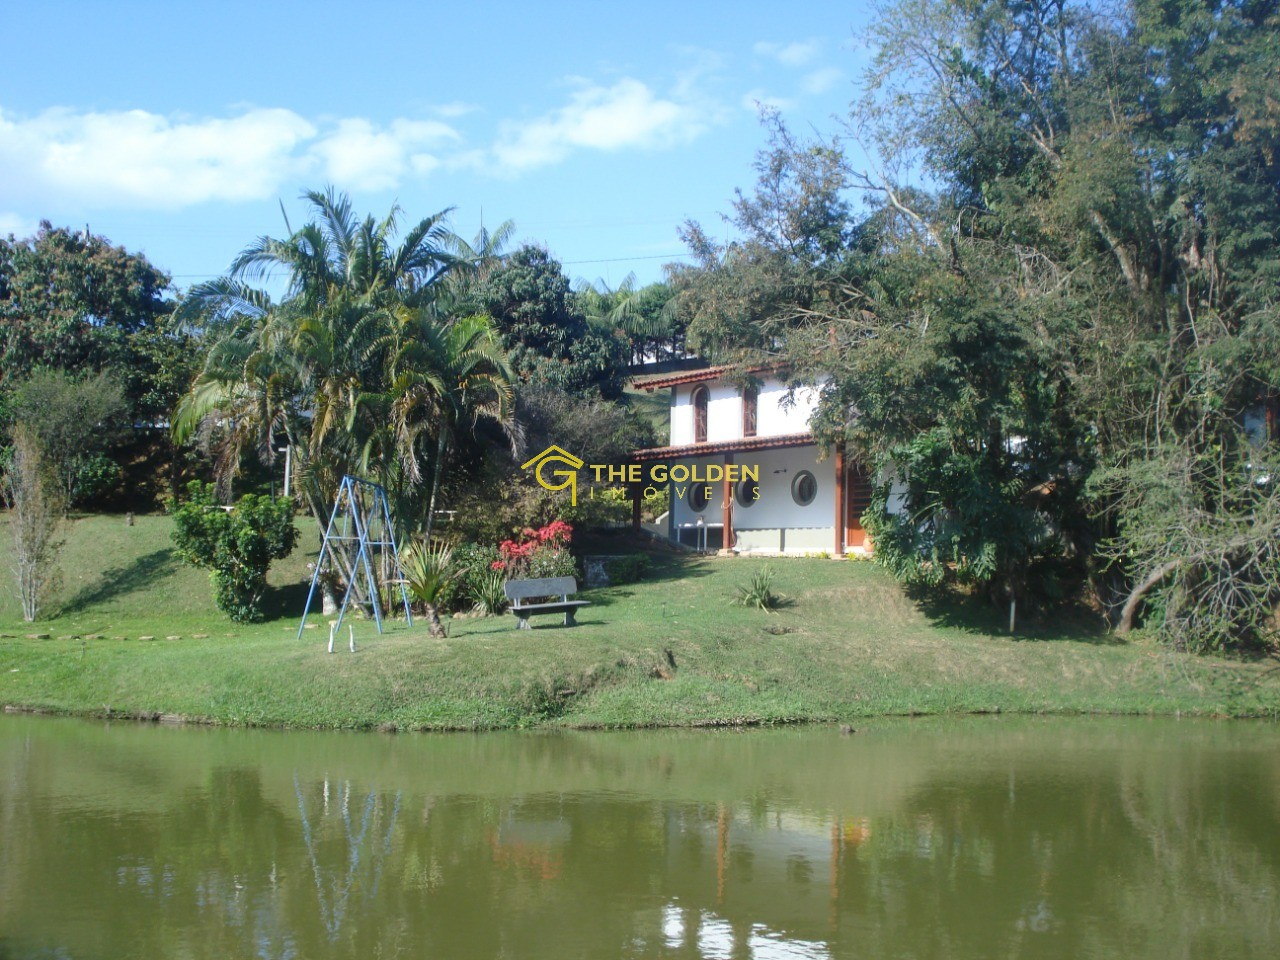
column 857, row 498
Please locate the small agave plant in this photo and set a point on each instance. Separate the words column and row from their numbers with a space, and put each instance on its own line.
column 428, row 573
column 759, row 592
column 488, row 594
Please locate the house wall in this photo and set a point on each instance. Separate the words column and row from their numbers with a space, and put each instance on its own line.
column 777, row 412
column 774, row 522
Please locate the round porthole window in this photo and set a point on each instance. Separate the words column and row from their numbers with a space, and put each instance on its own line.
column 747, row 492
column 698, row 498
column 804, row 488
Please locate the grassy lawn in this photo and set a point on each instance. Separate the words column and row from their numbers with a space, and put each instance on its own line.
column 672, row 650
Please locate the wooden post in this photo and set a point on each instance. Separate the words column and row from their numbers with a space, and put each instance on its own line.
column 839, row 538
column 727, row 544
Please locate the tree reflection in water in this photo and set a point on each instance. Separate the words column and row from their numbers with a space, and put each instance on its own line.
column 932, row 840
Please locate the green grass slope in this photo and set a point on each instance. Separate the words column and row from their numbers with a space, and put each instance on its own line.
column 672, row 650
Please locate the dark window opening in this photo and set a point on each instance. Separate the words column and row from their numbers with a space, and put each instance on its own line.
column 698, row 498
column 804, row 488
column 700, row 398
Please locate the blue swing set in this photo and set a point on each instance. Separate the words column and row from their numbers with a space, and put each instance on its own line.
column 359, row 540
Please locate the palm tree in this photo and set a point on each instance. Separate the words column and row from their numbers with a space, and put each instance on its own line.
column 624, row 308
column 445, row 378
column 351, row 369
column 337, row 252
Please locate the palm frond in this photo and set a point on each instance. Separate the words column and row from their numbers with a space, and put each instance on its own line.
column 214, row 304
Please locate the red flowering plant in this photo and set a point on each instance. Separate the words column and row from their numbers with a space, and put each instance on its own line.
column 538, row 553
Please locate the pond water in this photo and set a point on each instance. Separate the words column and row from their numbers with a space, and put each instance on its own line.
column 986, row 837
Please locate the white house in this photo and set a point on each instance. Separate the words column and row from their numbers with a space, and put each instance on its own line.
column 784, row 493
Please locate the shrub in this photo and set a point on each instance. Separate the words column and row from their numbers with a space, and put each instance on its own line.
column 539, row 553
column 486, row 589
column 474, row 563
column 759, row 592
column 598, row 507
column 236, row 545
column 630, row 569
column 657, row 501
column 72, row 420
column 430, row 574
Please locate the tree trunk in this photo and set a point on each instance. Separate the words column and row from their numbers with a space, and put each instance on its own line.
column 435, row 487
column 1140, row 591
column 433, row 621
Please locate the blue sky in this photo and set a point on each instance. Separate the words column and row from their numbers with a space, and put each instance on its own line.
column 178, row 129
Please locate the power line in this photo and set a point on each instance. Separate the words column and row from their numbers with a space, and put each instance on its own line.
column 567, row 263
column 657, row 256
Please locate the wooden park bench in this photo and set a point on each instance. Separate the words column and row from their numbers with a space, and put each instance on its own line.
column 523, row 590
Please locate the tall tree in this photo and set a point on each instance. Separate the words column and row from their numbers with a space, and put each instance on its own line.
column 352, row 371
column 1068, row 260
column 73, row 303
column 70, row 300
column 647, row 316
column 543, row 327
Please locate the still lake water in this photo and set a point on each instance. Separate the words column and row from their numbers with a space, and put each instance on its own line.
column 977, row 838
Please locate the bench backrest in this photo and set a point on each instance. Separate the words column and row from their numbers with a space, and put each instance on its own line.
column 545, row 587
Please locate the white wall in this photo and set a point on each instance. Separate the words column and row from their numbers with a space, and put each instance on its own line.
column 776, row 415
column 681, row 418
column 780, row 414
column 724, row 413
column 808, row 528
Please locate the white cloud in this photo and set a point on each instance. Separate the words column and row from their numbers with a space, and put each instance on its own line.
column 799, row 53
column 454, row 109
column 20, row 227
column 359, row 156
column 627, row 114
column 820, row 81
column 140, row 159
column 64, row 158
column 144, row 159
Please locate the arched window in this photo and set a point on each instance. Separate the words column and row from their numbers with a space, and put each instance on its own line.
column 750, row 401
column 700, row 397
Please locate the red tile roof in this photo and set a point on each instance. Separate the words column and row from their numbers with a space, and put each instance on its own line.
column 723, row 446
column 697, row 376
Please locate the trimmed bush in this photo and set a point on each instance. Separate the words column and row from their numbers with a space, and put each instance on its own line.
column 236, row 545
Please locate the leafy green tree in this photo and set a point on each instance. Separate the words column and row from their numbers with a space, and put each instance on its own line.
column 35, row 512
column 1067, row 263
column 738, row 300
column 1123, row 161
column 646, row 316
column 71, row 301
column 354, row 371
column 443, row 379
column 543, row 328
column 73, row 421
column 236, row 545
